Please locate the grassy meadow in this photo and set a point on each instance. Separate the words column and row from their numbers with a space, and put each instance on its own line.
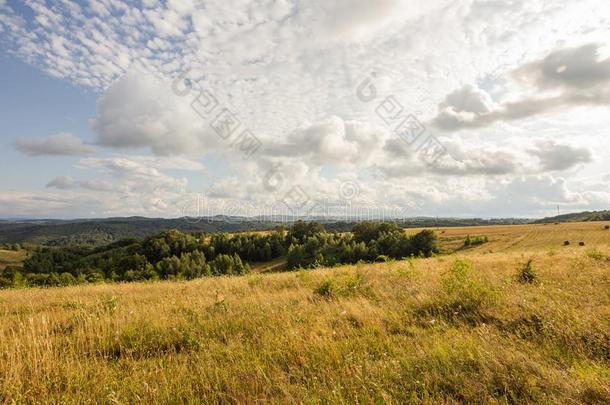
column 519, row 318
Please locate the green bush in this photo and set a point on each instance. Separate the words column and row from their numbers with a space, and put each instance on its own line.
column 462, row 295
column 345, row 286
column 475, row 240
column 526, row 273
column 595, row 254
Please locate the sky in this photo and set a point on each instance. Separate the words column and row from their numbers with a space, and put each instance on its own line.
column 387, row 108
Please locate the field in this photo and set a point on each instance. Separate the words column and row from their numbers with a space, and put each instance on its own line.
column 459, row 327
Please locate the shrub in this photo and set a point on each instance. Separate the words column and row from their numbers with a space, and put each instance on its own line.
column 462, row 296
column 595, row 254
column 475, row 240
column 327, row 288
column 346, row 286
column 383, row 259
column 566, row 242
column 425, row 243
column 526, row 273
column 67, row 279
column 581, row 243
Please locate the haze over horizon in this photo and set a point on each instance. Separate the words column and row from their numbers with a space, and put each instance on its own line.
column 472, row 108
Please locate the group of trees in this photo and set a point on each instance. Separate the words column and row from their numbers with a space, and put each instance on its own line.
column 168, row 255
column 368, row 241
column 176, row 255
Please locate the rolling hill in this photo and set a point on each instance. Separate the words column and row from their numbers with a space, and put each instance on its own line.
column 96, row 232
column 584, row 216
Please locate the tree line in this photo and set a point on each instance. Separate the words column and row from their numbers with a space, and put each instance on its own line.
column 172, row 254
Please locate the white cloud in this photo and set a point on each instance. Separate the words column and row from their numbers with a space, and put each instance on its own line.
column 136, row 175
column 555, row 157
column 576, row 68
column 55, row 145
column 289, row 70
column 140, row 111
column 565, row 78
column 62, row 183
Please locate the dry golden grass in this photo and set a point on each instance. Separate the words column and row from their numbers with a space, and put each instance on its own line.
column 391, row 332
column 523, row 238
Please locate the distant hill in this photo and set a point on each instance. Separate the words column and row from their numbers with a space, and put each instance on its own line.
column 584, row 216
column 96, row 232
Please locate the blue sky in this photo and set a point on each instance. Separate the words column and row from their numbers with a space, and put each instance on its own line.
column 34, row 105
column 407, row 108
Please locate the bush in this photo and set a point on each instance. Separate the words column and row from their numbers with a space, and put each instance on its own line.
column 566, row 243
column 383, row 259
column 67, row 279
column 475, row 240
column 526, row 273
column 424, row 243
column 462, row 295
column 595, row 254
column 346, row 286
column 327, row 288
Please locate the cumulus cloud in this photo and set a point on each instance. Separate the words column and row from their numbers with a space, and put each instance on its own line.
column 62, row 183
column 460, row 161
column 141, row 111
column 575, row 69
column 463, row 107
column 331, row 141
column 349, row 21
column 482, row 163
column 289, row 69
column 96, row 185
column 136, row 175
column 566, row 77
column 556, row 157
column 56, row 145
column 122, row 186
column 69, row 183
column 542, row 190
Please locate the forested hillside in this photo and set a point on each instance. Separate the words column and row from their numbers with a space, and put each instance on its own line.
column 176, row 255
column 99, row 232
column 585, row 216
